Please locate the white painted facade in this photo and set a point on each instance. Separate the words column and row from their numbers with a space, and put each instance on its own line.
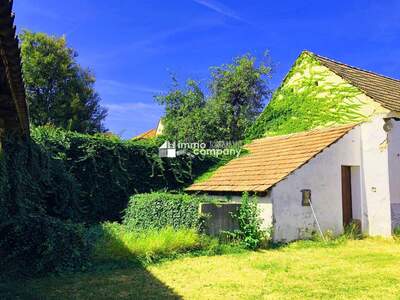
column 394, row 172
column 373, row 153
column 374, row 157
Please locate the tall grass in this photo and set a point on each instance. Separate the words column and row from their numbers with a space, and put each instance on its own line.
column 117, row 243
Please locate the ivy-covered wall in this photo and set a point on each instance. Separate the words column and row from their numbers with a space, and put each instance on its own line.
column 58, row 179
column 86, row 178
column 312, row 96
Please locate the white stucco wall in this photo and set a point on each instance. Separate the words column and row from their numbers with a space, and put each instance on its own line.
column 374, row 157
column 322, row 175
column 394, row 171
column 365, row 150
column 375, row 178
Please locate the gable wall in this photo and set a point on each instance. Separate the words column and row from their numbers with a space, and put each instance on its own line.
column 313, row 96
column 329, row 81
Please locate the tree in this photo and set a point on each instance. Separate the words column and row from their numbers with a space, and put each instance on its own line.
column 184, row 112
column 238, row 92
column 59, row 91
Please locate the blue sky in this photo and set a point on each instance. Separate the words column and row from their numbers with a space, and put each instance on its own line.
column 132, row 46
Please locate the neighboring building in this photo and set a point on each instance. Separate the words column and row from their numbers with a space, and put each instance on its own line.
column 348, row 171
column 152, row 133
column 13, row 108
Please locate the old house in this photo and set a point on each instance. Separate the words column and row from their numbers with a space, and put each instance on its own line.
column 335, row 162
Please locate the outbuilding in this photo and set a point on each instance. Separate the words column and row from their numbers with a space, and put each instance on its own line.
column 328, row 176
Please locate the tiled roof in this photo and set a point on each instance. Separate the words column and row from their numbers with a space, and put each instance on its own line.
column 13, row 107
column 270, row 160
column 382, row 89
column 147, row 135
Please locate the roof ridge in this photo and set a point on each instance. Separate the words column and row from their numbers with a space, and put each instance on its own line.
column 320, row 129
column 350, row 66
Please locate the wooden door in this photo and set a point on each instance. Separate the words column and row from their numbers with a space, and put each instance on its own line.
column 346, row 196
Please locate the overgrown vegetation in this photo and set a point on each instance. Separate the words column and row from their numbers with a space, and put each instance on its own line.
column 38, row 243
column 238, row 92
column 36, row 189
column 117, row 243
column 160, row 210
column 308, row 98
column 60, row 177
column 108, row 171
column 250, row 231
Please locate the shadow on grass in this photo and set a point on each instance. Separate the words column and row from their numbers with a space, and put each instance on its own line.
column 106, row 279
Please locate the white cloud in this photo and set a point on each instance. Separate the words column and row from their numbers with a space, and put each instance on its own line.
column 219, row 8
column 131, row 107
column 113, row 87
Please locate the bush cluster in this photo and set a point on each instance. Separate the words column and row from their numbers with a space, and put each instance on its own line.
column 37, row 243
column 109, row 170
column 37, row 197
column 250, row 231
column 59, row 177
column 159, row 210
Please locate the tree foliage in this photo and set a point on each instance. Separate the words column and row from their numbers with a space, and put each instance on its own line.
column 237, row 92
column 59, row 91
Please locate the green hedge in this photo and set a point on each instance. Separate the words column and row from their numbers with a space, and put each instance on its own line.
column 108, row 170
column 37, row 243
column 159, row 210
column 59, row 177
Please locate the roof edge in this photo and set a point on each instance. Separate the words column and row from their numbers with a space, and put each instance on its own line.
column 349, row 66
column 350, row 128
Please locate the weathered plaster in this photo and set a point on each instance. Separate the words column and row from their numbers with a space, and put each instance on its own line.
column 372, row 150
column 322, row 175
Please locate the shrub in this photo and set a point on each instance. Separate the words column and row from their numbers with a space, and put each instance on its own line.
column 109, row 170
column 118, row 243
column 38, row 243
column 159, row 210
column 248, row 216
column 396, row 232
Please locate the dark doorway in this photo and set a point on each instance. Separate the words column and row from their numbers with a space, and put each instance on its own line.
column 346, row 196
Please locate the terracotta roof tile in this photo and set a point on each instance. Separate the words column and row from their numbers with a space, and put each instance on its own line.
column 382, row 89
column 270, row 160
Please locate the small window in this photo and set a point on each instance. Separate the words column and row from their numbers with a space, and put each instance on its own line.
column 306, row 197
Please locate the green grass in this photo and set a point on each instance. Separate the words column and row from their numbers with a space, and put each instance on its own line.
column 117, row 243
column 353, row 269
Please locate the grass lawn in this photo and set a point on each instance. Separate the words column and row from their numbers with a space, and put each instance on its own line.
column 366, row 269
